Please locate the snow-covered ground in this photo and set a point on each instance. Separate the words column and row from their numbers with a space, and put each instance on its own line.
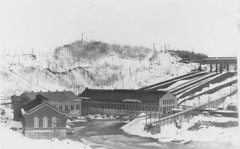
column 209, row 97
column 211, row 86
column 207, row 134
column 170, row 132
column 10, row 139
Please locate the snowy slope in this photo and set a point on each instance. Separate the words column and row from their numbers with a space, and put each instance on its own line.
column 170, row 132
column 27, row 72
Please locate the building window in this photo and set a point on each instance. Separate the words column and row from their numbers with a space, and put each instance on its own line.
column 36, row 122
column 72, row 107
column 60, row 107
column 45, row 122
column 66, row 108
column 77, row 107
column 54, row 122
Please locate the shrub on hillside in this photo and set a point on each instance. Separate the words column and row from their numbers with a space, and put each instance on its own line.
column 191, row 56
column 96, row 49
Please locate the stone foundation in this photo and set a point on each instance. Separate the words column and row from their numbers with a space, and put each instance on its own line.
column 45, row 134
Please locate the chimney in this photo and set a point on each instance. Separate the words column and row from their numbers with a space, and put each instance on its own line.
column 40, row 90
column 56, row 90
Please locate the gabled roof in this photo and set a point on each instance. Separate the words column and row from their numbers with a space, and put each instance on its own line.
column 39, row 106
column 32, row 104
column 53, row 96
column 30, row 95
column 120, row 95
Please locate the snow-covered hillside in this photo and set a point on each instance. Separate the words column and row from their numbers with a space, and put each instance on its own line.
column 21, row 72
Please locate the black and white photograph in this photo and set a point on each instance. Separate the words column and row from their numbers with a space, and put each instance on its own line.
column 119, row 74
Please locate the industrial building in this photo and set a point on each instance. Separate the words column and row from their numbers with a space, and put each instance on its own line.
column 65, row 101
column 126, row 102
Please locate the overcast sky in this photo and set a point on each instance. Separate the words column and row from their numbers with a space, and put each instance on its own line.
column 206, row 26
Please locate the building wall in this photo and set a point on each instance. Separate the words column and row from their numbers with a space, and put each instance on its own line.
column 16, row 106
column 115, row 108
column 166, row 103
column 162, row 107
column 87, row 111
column 17, row 111
column 44, row 112
column 71, row 107
column 45, row 134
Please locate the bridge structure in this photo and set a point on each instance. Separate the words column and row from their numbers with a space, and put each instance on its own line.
column 187, row 114
column 221, row 61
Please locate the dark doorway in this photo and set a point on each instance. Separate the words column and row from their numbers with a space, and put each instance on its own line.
column 164, row 110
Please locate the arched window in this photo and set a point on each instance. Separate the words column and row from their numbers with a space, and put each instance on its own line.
column 36, row 122
column 54, row 122
column 45, row 122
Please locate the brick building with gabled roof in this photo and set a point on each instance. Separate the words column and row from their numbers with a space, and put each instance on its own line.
column 42, row 120
column 126, row 102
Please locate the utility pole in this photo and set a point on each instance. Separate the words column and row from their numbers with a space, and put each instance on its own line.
column 122, row 81
column 136, row 76
column 165, row 47
column 37, row 79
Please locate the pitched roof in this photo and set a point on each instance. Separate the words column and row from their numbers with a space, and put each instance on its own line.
column 119, row 95
column 40, row 105
column 53, row 96
column 30, row 95
column 32, row 104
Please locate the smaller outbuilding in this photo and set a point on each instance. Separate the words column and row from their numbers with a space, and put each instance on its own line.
column 41, row 120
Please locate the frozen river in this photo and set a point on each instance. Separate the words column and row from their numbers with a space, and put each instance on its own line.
column 106, row 134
